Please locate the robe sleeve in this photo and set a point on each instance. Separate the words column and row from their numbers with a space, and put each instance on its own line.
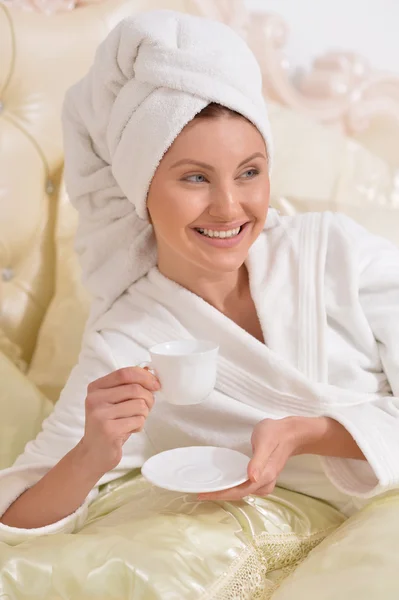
column 374, row 425
column 61, row 431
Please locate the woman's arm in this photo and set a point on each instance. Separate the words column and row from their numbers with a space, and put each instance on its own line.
column 358, row 444
column 373, row 424
column 35, row 499
column 60, row 493
column 274, row 441
column 325, row 437
column 50, row 486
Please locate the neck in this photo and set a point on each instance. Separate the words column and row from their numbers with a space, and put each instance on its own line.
column 221, row 290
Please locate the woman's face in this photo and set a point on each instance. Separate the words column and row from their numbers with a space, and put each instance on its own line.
column 209, row 197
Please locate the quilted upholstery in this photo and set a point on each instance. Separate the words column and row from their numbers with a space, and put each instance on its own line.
column 42, row 312
column 41, row 56
column 316, row 169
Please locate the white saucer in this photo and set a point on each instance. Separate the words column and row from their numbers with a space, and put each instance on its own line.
column 196, row 469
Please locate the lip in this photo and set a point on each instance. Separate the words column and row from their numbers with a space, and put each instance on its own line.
column 223, row 242
column 218, row 227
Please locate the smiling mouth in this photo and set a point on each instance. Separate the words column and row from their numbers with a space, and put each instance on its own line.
column 218, row 234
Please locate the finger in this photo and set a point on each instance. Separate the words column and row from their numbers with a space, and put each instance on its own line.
column 259, row 462
column 130, row 425
column 126, row 376
column 266, row 489
column 240, row 492
column 265, row 485
column 263, row 447
column 235, row 493
column 271, row 471
column 129, row 408
column 133, row 391
column 266, row 474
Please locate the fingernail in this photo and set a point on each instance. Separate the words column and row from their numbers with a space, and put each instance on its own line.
column 255, row 476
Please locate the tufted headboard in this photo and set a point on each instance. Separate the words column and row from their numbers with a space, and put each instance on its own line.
column 40, row 57
column 317, row 167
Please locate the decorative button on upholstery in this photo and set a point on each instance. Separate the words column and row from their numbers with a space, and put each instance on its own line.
column 7, row 274
column 49, row 187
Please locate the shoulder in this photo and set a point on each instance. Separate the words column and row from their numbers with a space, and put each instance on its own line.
column 342, row 240
column 298, row 222
column 123, row 331
column 111, row 337
column 339, row 228
column 366, row 248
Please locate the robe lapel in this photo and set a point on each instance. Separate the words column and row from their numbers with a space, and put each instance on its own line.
column 290, row 376
column 312, row 318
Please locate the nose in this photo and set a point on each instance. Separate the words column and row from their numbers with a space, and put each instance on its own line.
column 225, row 204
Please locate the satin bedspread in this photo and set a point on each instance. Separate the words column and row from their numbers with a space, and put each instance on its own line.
column 143, row 543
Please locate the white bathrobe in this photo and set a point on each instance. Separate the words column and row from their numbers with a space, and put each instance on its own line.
column 327, row 296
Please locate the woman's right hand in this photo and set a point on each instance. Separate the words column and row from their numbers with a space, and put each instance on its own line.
column 117, row 405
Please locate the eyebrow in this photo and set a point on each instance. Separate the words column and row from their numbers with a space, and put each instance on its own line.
column 206, row 166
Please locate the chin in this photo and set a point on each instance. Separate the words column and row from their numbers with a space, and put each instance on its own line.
column 224, row 265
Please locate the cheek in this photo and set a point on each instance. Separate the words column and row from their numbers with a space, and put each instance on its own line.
column 174, row 211
column 259, row 202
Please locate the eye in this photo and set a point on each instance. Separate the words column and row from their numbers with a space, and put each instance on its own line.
column 198, row 178
column 250, row 173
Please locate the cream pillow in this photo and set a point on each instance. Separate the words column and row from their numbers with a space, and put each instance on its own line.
column 318, row 169
column 22, row 408
column 359, row 560
column 59, row 338
column 12, row 351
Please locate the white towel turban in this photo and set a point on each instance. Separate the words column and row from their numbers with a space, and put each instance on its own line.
column 152, row 74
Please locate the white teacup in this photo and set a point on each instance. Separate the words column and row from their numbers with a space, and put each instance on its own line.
column 186, row 370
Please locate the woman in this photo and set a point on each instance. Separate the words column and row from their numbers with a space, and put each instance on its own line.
column 168, row 155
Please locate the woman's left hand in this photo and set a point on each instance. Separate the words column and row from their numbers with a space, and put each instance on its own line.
column 275, row 441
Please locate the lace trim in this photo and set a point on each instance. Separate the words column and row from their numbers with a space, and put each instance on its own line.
column 262, row 567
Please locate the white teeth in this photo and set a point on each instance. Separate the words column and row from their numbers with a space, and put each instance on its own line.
column 220, row 234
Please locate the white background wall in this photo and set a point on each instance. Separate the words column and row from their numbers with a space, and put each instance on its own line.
column 369, row 27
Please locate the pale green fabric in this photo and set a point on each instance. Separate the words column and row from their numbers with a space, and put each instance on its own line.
column 360, row 561
column 22, row 410
column 143, row 543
